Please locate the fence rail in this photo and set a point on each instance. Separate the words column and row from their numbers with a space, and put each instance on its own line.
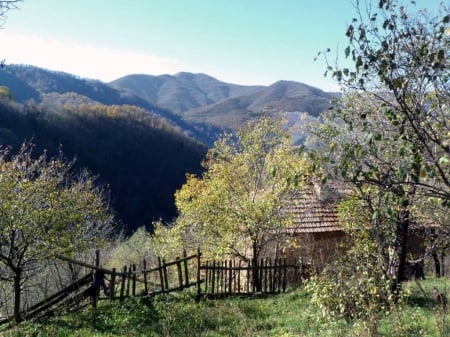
column 210, row 279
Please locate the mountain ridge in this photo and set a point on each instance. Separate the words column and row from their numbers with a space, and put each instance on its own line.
column 197, row 103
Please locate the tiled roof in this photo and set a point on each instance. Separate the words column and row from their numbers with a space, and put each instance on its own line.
column 314, row 212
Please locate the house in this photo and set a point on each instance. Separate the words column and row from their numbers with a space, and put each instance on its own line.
column 317, row 237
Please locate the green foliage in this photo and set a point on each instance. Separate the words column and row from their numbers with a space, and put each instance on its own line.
column 45, row 210
column 353, row 287
column 401, row 62
column 356, row 285
column 236, row 207
column 387, row 138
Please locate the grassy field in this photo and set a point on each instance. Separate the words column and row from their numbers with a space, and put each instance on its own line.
column 284, row 315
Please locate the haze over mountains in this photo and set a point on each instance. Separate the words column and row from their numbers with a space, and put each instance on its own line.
column 140, row 134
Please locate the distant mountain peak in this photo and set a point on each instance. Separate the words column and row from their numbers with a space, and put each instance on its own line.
column 189, row 75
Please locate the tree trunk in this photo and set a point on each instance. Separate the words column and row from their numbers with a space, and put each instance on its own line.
column 400, row 250
column 437, row 263
column 257, row 285
column 17, row 294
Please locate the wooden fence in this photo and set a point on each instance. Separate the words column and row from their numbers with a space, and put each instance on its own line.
column 210, row 279
column 233, row 277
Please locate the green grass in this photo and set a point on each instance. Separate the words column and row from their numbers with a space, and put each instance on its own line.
column 285, row 315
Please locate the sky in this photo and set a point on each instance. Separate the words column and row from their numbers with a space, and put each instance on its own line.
column 251, row 42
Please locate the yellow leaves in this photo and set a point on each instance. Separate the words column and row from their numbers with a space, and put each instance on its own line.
column 239, row 196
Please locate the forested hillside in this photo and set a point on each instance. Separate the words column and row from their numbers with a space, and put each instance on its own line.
column 141, row 157
column 29, row 83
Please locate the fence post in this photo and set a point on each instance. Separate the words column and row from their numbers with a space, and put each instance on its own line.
column 213, row 276
column 280, row 269
column 133, row 289
column 112, row 284
column 129, row 280
column 96, row 293
column 122, row 286
column 180, row 274
column 249, row 275
column 230, row 276
column 166, row 277
column 239, row 277
column 161, row 276
column 145, row 277
column 199, row 290
column 186, row 271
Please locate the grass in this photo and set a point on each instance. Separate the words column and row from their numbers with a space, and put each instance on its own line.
column 284, row 315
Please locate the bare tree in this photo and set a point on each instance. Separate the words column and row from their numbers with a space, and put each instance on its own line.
column 5, row 6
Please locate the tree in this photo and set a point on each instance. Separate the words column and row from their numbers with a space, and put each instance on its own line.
column 238, row 205
column 45, row 210
column 390, row 139
column 5, row 6
column 402, row 61
column 368, row 162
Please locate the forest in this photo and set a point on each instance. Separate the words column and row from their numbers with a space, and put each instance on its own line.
column 139, row 156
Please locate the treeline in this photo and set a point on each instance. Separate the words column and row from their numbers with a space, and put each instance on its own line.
column 139, row 156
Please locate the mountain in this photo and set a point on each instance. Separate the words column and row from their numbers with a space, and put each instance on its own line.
column 199, row 105
column 181, row 92
column 282, row 96
column 203, row 100
column 32, row 83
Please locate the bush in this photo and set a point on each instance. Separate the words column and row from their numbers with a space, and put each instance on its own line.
column 354, row 287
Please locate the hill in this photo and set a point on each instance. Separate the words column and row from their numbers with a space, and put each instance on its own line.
column 181, row 92
column 141, row 157
column 197, row 104
column 203, row 100
column 29, row 83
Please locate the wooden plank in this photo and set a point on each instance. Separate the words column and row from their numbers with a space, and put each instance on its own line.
column 199, row 289
column 161, row 274
column 180, row 275
column 186, row 269
column 57, row 297
column 230, row 277
column 112, row 285
column 239, row 277
column 166, row 275
column 129, row 280
column 83, row 264
column 144, row 265
column 213, row 271
column 133, row 289
column 122, row 284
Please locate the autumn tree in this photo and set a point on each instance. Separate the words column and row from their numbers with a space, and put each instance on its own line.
column 44, row 210
column 237, row 207
column 388, row 138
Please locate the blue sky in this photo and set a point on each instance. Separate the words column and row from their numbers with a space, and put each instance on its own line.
column 237, row 41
